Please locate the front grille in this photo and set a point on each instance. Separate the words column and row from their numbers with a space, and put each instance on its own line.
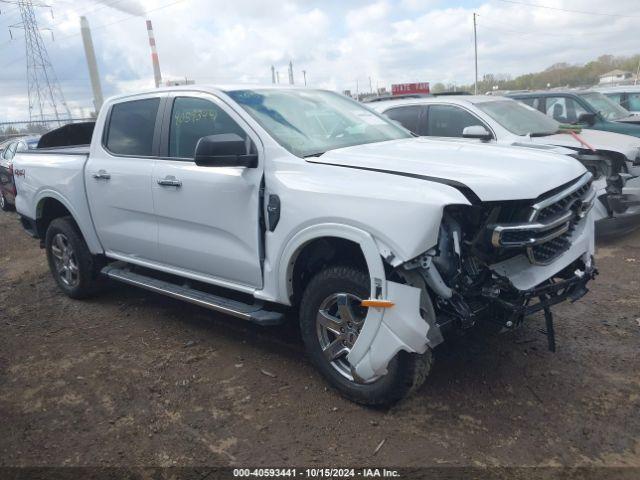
column 563, row 204
column 551, row 223
column 546, row 252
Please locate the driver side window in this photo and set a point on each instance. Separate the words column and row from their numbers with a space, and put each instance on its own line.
column 194, row 118
column 564, row 109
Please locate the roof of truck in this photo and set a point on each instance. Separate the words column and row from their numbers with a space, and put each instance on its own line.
column 212, row 88
column 457, row 99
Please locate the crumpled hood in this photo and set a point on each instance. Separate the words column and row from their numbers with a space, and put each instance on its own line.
column 492, row 172
column 615, row 142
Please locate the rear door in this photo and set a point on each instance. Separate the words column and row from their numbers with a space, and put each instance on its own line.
column 450, row 121
column 208, row 217
column 409, row 116
column 118, row 179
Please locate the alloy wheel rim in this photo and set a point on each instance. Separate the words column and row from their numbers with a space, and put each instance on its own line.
column 65, row 261
column 339, row 321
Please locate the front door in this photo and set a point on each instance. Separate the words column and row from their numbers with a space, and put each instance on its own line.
column 118, row 179
column 208, row 217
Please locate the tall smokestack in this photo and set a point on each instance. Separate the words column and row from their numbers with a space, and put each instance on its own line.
column 290, row 73
column 154, row 55
column 91, row 63
column 273, row 74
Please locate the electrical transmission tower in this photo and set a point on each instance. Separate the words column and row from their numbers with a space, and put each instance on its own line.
column 46, row 101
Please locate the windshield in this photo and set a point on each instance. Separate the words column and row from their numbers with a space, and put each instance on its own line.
column 310, row 122
column 605, row 106
column 519, row 118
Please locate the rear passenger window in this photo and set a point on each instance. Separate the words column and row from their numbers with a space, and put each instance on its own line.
column 449, row 121
column 131, row 127
column 194, row 118
column 408, row 117
column 532, row 102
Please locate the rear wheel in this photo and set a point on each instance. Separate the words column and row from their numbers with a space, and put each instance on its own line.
column 4, row 203
column 73, row 267
column 331, row 319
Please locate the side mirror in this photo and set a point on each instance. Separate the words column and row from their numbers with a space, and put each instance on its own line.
column 225, row 150
column 587, row 118
column 477, row 131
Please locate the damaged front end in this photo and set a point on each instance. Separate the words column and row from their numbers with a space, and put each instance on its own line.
column 497, row 263
column 494, row 264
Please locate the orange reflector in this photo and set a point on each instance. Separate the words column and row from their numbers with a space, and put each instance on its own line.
column 377, row 303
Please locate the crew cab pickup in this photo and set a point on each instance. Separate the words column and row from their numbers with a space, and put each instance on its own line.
column 257, row 201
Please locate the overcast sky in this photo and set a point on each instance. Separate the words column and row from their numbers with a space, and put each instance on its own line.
column 337, row 42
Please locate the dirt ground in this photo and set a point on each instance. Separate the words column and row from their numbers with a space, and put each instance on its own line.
column 131, row 378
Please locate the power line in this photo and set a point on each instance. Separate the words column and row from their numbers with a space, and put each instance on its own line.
column 567, row 10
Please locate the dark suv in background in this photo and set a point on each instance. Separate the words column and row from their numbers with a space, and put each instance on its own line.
column 586, row 108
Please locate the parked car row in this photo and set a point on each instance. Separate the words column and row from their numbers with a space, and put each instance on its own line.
column 613, row 159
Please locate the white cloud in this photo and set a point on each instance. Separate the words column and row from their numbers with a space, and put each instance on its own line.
column 337, row 43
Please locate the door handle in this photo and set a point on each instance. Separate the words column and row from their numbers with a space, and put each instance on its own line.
column 170, row 181
column 102, row 175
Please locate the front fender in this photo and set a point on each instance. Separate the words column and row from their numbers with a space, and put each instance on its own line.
column 299, row 240
column 385, row 331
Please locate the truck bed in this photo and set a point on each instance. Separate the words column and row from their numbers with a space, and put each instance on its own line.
column 54, row 175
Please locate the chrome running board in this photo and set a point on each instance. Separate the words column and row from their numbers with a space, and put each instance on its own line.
column 252, row 312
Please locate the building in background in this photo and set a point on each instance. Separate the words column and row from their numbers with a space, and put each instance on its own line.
column 615, row 77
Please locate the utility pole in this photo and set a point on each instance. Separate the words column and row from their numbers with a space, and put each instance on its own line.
column 273, row 74
column 46, row 101
column 304, row 74
column 475, row 48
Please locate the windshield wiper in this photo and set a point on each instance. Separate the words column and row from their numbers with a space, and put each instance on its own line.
column 314, row 154
column 541, row 134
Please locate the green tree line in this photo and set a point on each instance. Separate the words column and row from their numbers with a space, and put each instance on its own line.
column 557, row 75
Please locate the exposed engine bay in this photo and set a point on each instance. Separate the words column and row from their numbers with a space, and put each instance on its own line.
column 461, row 270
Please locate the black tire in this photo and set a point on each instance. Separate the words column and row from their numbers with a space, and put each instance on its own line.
column 87, row 279
column 5, row 206
column 406, row 372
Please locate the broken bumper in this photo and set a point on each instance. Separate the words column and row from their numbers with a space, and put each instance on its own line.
column 545, row 296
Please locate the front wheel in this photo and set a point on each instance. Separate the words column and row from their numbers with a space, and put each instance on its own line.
column 74, row 268
column 330, row 321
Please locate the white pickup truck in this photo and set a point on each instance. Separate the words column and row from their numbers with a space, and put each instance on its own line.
column 256, row 201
